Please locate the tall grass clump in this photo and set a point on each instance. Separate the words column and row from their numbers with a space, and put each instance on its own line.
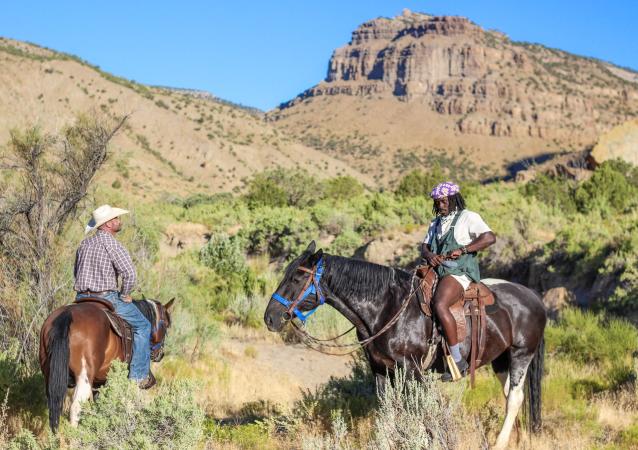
column 124, row 417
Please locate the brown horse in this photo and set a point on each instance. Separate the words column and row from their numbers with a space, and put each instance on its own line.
column 77, row 346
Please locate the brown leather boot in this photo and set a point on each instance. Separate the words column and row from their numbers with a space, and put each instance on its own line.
column 147, row 382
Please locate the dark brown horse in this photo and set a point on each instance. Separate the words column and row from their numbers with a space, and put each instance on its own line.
column 77, row 346
column 371, row 295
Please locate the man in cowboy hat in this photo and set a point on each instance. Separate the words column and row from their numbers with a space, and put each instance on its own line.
column 453, row 239
column 99, row 261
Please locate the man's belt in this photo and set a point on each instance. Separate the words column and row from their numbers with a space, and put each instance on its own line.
column 99, row 294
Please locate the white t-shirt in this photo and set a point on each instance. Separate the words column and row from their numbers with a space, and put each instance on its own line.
column 469, row 226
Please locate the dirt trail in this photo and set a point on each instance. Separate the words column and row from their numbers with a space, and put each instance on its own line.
column 300, row 366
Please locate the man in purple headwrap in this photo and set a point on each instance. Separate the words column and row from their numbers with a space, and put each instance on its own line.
column 453, row 239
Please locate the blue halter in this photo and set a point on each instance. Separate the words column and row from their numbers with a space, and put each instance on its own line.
column 314, row 288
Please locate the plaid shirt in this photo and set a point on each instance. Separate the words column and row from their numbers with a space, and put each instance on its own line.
column 100, row 259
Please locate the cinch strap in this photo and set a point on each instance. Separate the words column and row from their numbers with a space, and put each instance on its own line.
column 312, row 289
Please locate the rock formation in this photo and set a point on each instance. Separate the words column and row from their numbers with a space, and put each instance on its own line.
column 478, row 83
column 620, row 142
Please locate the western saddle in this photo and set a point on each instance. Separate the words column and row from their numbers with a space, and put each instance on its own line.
column 477, row 296
column 118, row 325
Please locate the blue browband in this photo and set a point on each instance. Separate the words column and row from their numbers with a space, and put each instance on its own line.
column 312, row 289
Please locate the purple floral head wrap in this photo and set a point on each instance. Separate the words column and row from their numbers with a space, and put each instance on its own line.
column 444, row 190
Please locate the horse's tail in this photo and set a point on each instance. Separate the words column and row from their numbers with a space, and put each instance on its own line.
column 534, row 378
column 58, row 362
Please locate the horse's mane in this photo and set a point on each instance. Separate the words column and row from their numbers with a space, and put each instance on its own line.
column 147, row 309
column 354, row 277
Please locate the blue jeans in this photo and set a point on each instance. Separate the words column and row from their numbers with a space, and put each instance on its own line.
column 141, row 358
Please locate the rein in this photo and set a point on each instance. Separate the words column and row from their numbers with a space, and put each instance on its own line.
column 315, row 277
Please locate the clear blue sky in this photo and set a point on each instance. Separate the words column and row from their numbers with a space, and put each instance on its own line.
column 260, row 53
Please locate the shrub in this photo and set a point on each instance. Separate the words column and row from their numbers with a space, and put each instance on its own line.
column 378, row 214
column 594, row 339
column 125, row 417
column 415, row 415
column 22, row 391
column 353, row 396
column 263, row 191
column 411, row 415
column 342, row 188
column 280, row 232
column 557, row 192
column 281, row 187
column 49, row 176
column 419, row 183
column 346, row 243
column 247, row 309
column 608, row 189
column 223, row 254
column 206, row 199
column 248, row 436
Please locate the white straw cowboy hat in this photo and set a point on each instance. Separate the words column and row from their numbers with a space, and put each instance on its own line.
column 102, row 215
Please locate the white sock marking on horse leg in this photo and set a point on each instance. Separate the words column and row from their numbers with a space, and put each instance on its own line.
column 514, row 402
column 81, row 394
column 504, row 378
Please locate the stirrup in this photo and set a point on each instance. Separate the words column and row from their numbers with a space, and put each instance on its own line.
column 456, row 370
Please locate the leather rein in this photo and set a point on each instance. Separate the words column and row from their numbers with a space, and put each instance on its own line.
column 315, row 278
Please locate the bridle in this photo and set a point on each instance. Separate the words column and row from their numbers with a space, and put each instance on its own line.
column 311, row 286
column 158, row 330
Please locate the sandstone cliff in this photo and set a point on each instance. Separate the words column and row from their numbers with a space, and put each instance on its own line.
column 447, row 84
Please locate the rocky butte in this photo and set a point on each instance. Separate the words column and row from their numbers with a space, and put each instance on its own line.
column 421, row 90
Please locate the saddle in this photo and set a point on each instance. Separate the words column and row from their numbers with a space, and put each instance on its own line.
column 473, row 304
column 118, row 325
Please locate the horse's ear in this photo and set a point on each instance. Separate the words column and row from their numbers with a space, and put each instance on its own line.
column 169, row 305
column 316, row 257
column 311, row 247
